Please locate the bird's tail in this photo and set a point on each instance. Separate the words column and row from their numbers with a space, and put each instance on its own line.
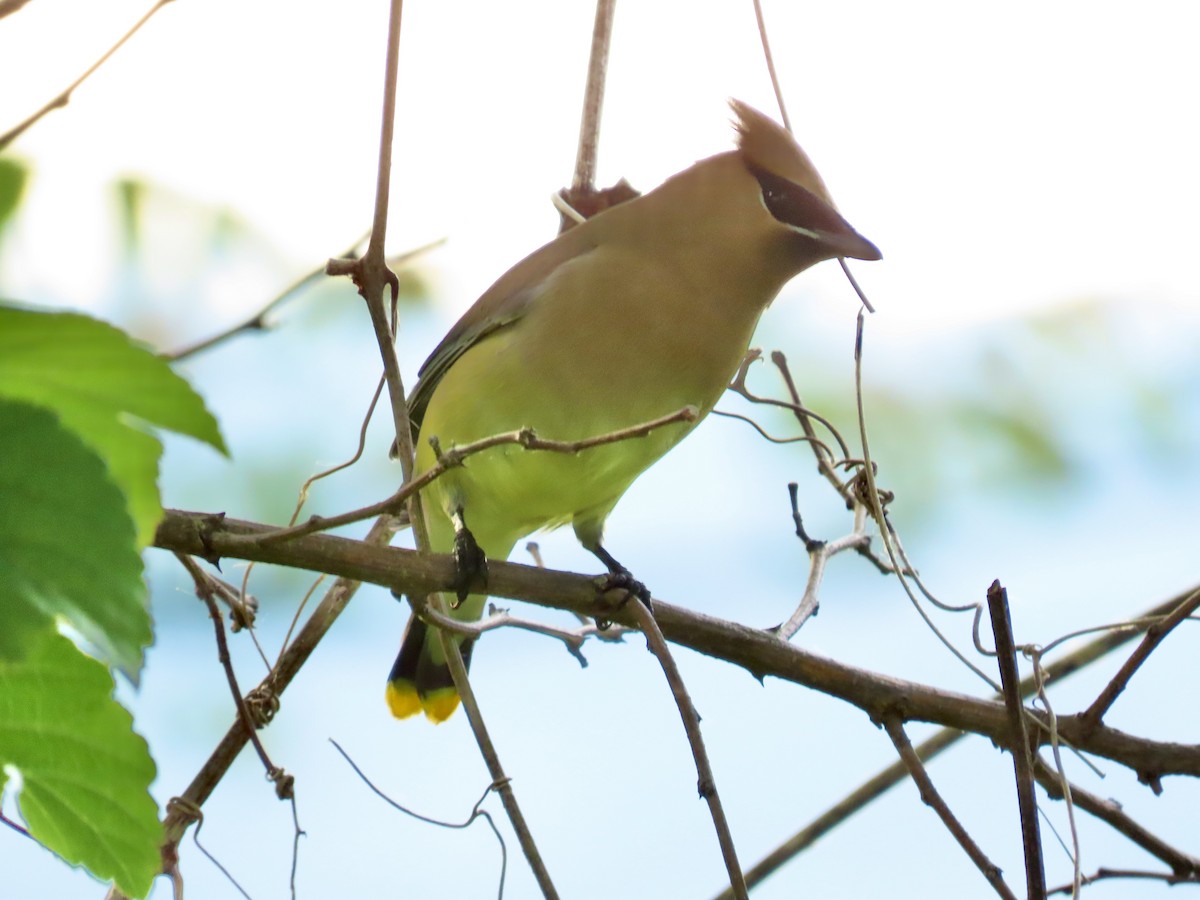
column 420, row 679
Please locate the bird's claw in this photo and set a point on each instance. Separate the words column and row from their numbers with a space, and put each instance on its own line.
column 629, row 587
column 624, row 581
column 470, row 564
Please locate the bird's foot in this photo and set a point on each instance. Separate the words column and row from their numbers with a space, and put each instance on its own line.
column 618, row 578
column 623, row 580
column 629, row 587
column 470, row 564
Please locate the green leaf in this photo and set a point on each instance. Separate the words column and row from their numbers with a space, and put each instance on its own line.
column 66, row 543
column 105, row 387
column 13, row 176
column 86, row 774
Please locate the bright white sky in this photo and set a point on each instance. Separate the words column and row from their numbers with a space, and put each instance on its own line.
column 1002, row 159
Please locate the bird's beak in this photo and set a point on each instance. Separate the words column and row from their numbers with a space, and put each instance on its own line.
column 844, row 242
column 813, row 216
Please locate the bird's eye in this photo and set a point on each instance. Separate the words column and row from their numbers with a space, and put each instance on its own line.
column 792, row 204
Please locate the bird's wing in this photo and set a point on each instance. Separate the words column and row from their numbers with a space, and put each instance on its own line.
column 501, row 305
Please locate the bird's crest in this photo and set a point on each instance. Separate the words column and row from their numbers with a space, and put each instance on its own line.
column 767, row 145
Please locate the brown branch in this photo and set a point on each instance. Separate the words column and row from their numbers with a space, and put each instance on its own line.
column 803, row 414
column 1184, row 866
column 448, row 459
column 204, row 591
column 501, row 782
column 372, row 275
column 1104, row 874
column 212, row 537
column 335, row 600
column 853, row 802
column 285, row 784
column 931, row 798
column 819, row 554
column 64, row 97
column 1018, row 740
column 593, row 99
column 706, row 781
column 1078, row 659
column 583, row 199
column 1154, row 636
column 805, row 417
column 572, row 638
column 259, row 321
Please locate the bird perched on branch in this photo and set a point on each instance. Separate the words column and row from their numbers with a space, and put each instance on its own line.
column 640, row 311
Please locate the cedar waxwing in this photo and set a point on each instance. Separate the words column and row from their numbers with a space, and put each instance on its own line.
column 642, row 310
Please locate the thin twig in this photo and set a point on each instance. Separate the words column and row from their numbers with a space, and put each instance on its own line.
column 787, row 123
column 573, row 638
column 862, row 297
column 706, row 782
column 372, row 276
column 856, row 800
column 282, row 781
column 211, row 857
column 805, row 417
column 593, row 98
column 1154, row 636
column 1105, row 874
column 310, row 481
column 819, row 553
column 1051, row 724
column 1184, row 866
column 501, row 782
column 583, row 199
column 476, row 812
column 1018, row 742
column 794, row 439
column 285, row 784
column 931, row 798
column 739, row 386
column 873, row 788
column 900, row 564
column 65, row 96
column 371, row 273
column 260, row 322
column 448, row 459
column 770, row 59
column 335, row 600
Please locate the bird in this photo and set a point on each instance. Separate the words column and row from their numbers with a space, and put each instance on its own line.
column 637, row 312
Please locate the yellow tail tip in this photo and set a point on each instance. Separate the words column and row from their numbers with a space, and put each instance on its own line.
column 440, row 704
column 402, row 699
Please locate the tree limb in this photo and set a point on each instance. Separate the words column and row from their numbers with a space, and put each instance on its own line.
column 760, row 653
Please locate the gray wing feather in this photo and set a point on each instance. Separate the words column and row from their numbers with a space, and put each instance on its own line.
column 500, row 306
